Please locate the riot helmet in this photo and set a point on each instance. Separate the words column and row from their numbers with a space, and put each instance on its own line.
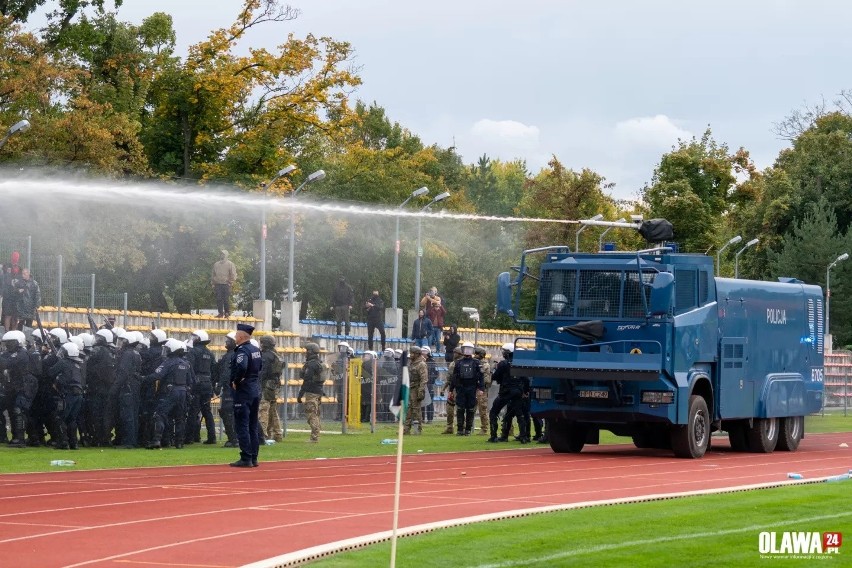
column 14, row 339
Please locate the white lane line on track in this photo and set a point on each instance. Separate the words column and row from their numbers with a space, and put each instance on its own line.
column 550, row 558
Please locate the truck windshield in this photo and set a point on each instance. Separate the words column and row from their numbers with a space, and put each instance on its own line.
column 592, row 293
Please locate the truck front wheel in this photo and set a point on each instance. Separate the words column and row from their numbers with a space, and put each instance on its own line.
column 792, row 432
column 763, row 435
column 693, row 439
column 566, row 437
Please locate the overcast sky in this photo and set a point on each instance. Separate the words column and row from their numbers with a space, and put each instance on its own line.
column 609, row 85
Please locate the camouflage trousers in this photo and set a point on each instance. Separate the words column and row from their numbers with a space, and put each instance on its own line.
column 482, row 408
column 415, row 410
column 269, row 421
column 311, row 406
column 451, row 416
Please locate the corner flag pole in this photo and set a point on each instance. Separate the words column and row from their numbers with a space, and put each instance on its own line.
column 399, row 437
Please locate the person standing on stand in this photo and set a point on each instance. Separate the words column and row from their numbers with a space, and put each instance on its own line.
column 375, row 318
column 342, row 300
column 29, row 299
column 421, row 329
column 245, row 382
column 433, row 306
column 223, row 277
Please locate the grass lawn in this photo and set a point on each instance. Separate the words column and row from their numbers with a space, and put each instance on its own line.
column 357, row 442
column 718, row 530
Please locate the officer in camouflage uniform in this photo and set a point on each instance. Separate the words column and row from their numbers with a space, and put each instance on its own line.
column 451, row 401
column 482, row 396
column 314, row 373
column 270, row 382
column 418, row 377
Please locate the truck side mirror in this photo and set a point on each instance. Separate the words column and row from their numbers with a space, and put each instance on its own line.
column 661, row 294
column 504, row 294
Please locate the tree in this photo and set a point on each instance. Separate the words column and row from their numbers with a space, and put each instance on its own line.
column 496, row 187
column 691, row 187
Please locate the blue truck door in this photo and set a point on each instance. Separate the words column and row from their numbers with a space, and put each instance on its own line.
column 735, row 392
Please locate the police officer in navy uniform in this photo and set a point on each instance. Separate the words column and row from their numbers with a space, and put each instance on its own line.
column 245, row 382
column 172, row 379
column 467, row 379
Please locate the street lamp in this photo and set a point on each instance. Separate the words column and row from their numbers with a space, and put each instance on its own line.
column 600, row 239
column 840, row 258
column 597, row 217
column 436, row 199
column 416, row 193
column 20, row 126
column 751, row 243
column 473, row 314
column 733, row 241
column 281, row 173
column 318, row 175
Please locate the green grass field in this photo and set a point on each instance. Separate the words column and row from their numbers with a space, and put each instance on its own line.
column 718, row 530
column 357, row 442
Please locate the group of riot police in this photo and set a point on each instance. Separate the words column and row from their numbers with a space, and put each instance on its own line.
column 112, row 388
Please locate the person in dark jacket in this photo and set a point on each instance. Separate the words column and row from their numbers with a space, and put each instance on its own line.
column 314, row 374
column 451, row 341
column 28, row 299
column 201, row 359
column 342, row 300
column 223, row 389
column 421, row 329
column 69, row 384
column 375, row 318
column 270, row 383
column 171, row 379
column 127, row 382
column 245, row 382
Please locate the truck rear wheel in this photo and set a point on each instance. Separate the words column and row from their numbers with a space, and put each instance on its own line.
column 693, row 439
column 792, row 432
column 763, row 435
column 566, row 437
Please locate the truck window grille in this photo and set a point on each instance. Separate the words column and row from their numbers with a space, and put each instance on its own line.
column 685, row 281
column 816, row 323
column 600, row 291
column 599, row 295
column 703, row 288
column 556, row 293
column 733, row 353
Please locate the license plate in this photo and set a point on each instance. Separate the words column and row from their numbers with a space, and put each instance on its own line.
column 593, row 394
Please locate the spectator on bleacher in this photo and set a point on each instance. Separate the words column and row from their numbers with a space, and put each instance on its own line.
column 375, row 318
column 223, row 277
column 421, row 329
column 432, row 304
column 342, row 300
column 451, row 341
column 29, row 299
column 10, row 295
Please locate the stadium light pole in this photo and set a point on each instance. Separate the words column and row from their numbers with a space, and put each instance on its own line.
column 416, row 193
column 20, row 126
column 436, row 199
column 751, row 243
column 600, row 238
column 733, row 241
column 316, row 176
column 281, row 173
column 597, row 217
column 840, row 258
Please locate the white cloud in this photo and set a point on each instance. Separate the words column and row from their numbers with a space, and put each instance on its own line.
column 505, row 135
column 650, row 131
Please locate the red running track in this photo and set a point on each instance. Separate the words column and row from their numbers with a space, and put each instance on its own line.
column 217, row 516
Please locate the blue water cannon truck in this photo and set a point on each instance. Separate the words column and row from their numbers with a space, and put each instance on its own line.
column 651, row 344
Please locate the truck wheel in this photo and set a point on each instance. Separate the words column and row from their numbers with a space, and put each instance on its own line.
column 792, row 432
column 763, row 435
column 566, row 437
column 692, row 440
column 738, row 435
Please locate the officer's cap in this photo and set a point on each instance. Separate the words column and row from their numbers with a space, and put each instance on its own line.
column 245, row 327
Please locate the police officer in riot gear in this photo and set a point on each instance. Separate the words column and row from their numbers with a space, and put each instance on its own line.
column 223, row 389
column 245, row 380
column 173, row 377
column 100, row 376
column 69, row 384
column 467, row 380
column 128, row 387
column 502, row 376
column 314, row 374
column 201, row 359
column 152, row 357
column 22, row 385
column 270, row 381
